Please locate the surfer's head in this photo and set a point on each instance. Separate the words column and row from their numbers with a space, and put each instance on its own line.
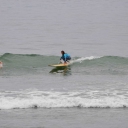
column 62, row 52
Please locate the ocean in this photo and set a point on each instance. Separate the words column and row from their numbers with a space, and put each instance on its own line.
column 90, row 93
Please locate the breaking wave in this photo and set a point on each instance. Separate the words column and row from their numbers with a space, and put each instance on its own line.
column 50, row 99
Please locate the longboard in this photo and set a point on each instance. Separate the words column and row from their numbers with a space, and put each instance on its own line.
column 59, row 65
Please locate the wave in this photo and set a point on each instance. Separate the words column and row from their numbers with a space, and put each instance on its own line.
column 102, row 61
column 89, row 65
column 27, row 60
column 36, row 60
column 50, row 99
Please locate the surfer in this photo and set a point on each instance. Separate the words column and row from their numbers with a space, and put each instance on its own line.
column 65, row 57
column 1, row 64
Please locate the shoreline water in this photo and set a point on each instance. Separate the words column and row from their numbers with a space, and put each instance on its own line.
column 64, row 117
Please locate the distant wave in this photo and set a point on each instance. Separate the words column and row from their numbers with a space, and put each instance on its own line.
column 51, row 99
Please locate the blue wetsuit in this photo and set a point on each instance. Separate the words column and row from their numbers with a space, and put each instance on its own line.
column 65, row 57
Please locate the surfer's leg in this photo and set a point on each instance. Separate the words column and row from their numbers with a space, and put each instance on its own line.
column 68, row 60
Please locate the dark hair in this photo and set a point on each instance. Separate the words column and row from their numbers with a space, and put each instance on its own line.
column 62, row 52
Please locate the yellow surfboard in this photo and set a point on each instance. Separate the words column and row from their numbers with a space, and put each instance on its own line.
column 59, row 65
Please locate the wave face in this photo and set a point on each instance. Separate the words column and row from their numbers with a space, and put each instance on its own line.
column 21, row 64
column 51, row 99
column 84, row 65
column 27, row 60
column 104, row 65
column 23, row 60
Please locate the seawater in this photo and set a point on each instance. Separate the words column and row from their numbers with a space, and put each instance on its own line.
column 91, row 92
column 101, row 83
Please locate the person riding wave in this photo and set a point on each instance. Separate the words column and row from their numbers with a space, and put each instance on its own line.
column 65, row 57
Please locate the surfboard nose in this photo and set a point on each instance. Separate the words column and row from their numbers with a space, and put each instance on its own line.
column 1, row 64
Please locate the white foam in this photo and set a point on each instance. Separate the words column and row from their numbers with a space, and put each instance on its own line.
column 29, row 99
column 80, row 60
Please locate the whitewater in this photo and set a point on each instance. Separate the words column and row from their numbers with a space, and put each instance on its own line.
column 80, row 99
